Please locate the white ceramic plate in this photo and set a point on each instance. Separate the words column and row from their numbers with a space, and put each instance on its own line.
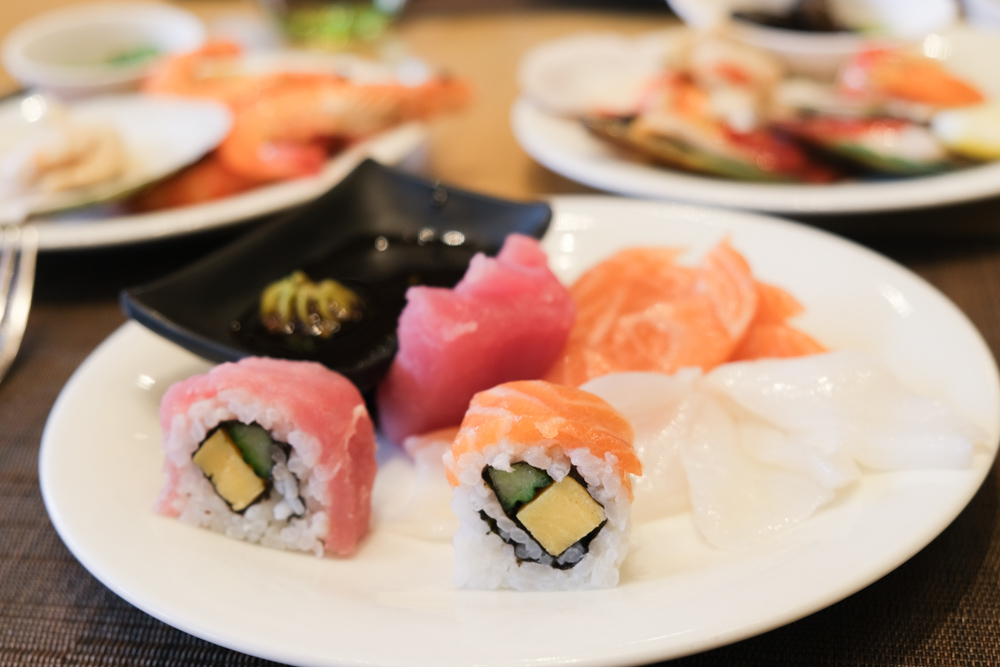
column 159, row 135
column 394, row 604
column 99, row 228
column 564, row 146
column 107, row 227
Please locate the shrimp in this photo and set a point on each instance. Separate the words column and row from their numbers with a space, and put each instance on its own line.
column 211, row 72
column 204, row 181
column 281, row 134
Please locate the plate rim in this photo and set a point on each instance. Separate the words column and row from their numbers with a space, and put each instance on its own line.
column 639, row 653
column 391, row 148
column 595, row 164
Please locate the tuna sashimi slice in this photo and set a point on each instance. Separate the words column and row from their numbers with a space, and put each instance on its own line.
column 507, row 319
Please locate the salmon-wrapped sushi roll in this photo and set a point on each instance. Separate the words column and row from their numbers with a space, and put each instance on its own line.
column 280, row 453
column 542, row 489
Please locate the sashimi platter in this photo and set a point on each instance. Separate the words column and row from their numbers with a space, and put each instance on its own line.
column 645, row 431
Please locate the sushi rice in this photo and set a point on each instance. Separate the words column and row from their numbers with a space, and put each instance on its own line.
column 485, row 561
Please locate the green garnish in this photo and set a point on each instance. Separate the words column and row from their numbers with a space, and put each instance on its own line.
column 133, row 56
column 255, row 444
column 519, row 486
column 297, row 304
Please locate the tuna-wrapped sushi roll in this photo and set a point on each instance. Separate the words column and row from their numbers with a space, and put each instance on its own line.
column 275, row 452
column 542, row 489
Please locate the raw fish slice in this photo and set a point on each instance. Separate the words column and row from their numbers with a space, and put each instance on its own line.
column 660, row 410
column 507, row 319
column 769, row 334
column 529, row 413
column 851, row 396
column 640, row 311
column 737, row 501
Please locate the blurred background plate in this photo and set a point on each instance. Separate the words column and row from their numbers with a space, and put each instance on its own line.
column 564, row 145
column 92, row 228
column 159, row 136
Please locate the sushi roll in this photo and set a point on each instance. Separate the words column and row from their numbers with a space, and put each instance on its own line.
column 275, row 452
column 542, row 489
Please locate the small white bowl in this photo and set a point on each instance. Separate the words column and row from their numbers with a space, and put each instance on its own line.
column 822, row 54
column 70, row 52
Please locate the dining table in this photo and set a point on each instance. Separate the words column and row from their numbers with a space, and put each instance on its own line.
column 941, row 607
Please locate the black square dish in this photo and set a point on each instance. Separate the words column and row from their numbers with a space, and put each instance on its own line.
column 377, row 232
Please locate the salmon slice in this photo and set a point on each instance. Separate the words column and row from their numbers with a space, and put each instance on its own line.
column 769, row 334
column 641, row 311
column 530, row 413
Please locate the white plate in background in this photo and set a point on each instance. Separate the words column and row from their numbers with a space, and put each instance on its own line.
column 562, row 144
column 96, row 228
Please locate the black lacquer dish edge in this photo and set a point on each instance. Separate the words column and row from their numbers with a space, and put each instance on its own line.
column 196, row 306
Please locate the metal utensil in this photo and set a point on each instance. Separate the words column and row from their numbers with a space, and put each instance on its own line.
column 18, row 250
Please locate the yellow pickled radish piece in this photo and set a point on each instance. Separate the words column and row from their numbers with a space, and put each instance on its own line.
column 972, row 131
column 561, row 515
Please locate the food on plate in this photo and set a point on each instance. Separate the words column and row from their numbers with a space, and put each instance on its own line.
column 885, row 145
column 888, row 74
column 275, row 452
column 640, row 310
column 542, row 477
column 205, row 180
column 754, row 448
column 769, row 335
column 970, row 131
column 678, row 128
column 720, row 107
column 287, row 123
column 296, row 304
column 60, row 153
column 507, row 319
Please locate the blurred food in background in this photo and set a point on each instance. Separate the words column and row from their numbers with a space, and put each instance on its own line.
column 332, row 24
column 706, row 102
column 288, row 122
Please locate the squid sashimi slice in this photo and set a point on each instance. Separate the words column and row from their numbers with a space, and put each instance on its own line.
column 661, row 413
column 818, row 453
column 507, row 319
column 850, row 398
column 698, row 453
column 736, row 500
column 641, row 311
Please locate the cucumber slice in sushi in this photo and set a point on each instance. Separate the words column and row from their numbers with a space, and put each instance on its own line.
column 255, row 444
column 518, row 486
